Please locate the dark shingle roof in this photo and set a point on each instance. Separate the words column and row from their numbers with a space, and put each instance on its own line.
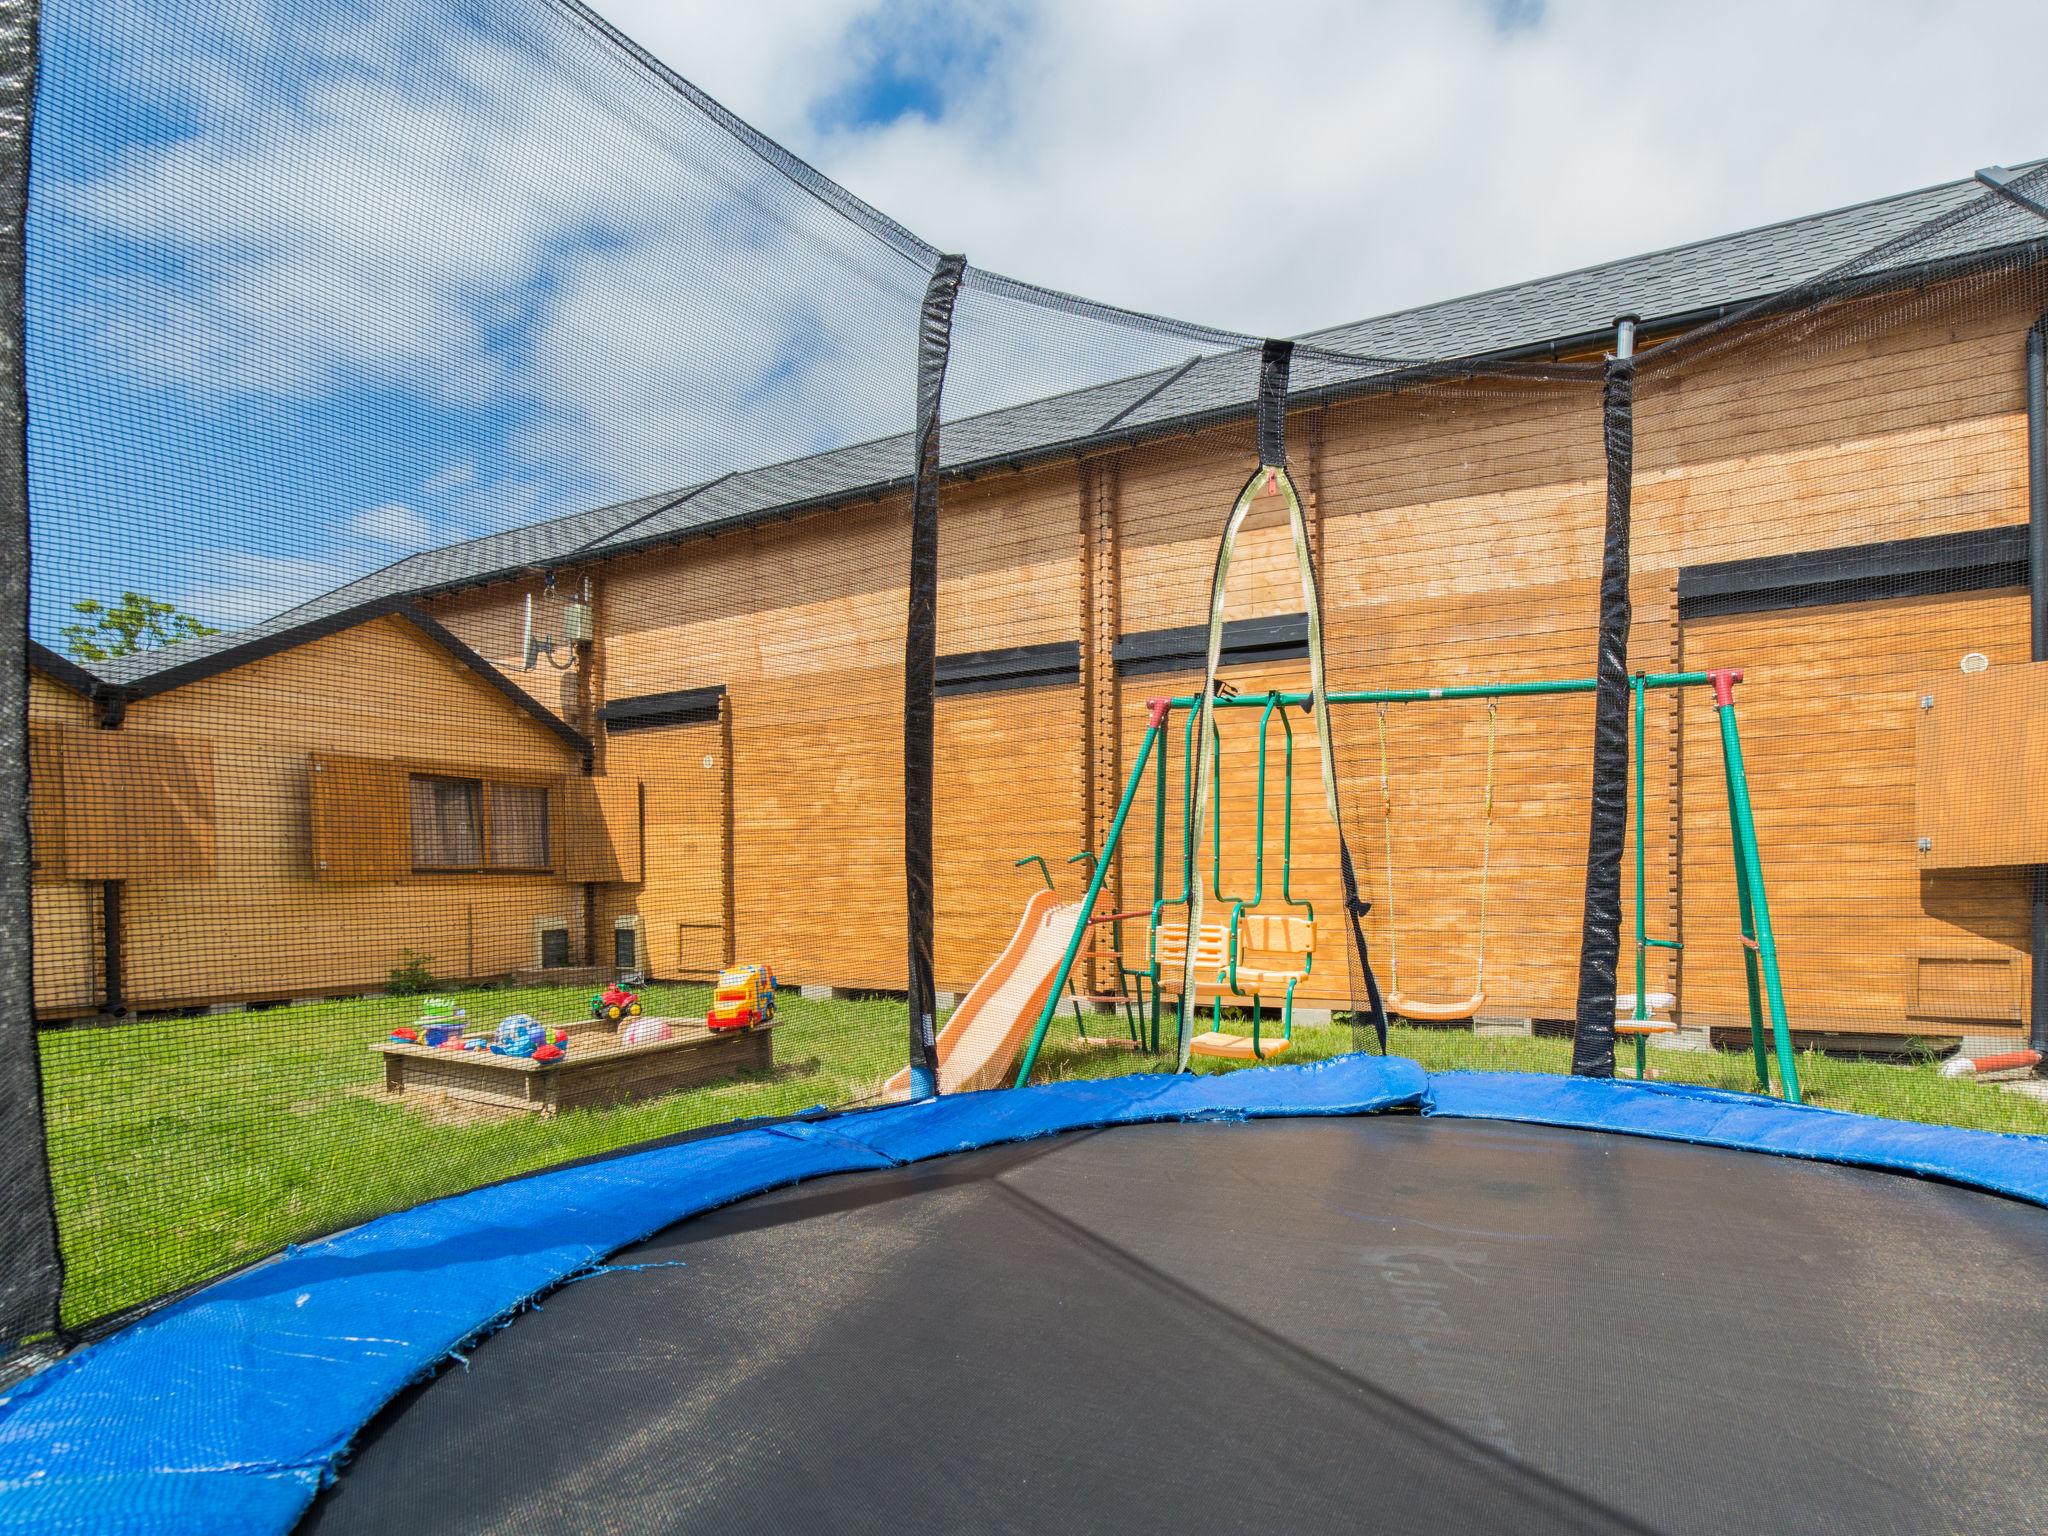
column 1572, row 308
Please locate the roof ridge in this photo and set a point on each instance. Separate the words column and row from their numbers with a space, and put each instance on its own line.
column 1662, row 251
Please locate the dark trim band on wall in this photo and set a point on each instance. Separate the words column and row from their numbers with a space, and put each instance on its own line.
column 1052, row 665
column 1982, row 560
column 649, row 711
column 1283, row 638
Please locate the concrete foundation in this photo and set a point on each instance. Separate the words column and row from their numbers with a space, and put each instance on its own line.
column 1524, row 1028
column 1682, row 1040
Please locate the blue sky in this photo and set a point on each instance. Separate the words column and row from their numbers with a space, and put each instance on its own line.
column 317, row 284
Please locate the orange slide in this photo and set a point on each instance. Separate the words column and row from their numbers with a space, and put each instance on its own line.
column 980, row 1042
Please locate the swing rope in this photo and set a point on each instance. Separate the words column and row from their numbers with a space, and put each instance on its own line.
column 1387, row 820
column 1485, row 853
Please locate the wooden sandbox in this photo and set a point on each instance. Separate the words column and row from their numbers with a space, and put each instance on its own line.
column 597, row 1071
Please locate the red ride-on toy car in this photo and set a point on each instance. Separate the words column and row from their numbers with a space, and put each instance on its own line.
column 616, row 1004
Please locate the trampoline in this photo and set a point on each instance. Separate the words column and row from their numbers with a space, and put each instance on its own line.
column 1294, row 1298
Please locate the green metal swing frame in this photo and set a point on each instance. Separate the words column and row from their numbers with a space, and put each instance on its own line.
column 1766, row 993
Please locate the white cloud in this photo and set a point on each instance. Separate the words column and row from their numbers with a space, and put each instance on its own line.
column 395, row 523
column 1318, row 161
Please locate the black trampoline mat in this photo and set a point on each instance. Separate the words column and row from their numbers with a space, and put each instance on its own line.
column 1357, row 1325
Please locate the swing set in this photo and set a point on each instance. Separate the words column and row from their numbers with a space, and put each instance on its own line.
column 1255, row 953
column 1261, row 952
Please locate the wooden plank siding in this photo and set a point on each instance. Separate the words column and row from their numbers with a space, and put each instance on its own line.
column 802, row 623
column 1828, row 710
column 680, row 893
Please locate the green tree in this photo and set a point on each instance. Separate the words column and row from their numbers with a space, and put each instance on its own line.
column 136, row 623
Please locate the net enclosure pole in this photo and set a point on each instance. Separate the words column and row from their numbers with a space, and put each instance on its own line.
column 1759, row 942
column 920, row 673
column 1607, row 827
column 31, row 1271
column 1153, row 727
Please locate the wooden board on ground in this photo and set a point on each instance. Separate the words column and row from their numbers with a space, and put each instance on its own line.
column 596, row 1072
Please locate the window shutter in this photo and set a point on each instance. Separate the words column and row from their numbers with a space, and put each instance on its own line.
column 361, row 818
column 45, row 806
column 134, row 805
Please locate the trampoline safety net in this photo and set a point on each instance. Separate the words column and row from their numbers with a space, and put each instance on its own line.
column 554, row 625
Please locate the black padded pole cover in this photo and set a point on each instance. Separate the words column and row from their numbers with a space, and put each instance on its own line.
column 31, row 1274
column 1600, row 928
column 921, row 660
column 1274, row 361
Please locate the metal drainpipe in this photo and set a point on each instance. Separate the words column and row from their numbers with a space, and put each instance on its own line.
column 2037, row 594
column 114, row 984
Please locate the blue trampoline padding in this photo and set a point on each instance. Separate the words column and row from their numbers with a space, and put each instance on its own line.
column 2004, row 1164
column 225, row 1411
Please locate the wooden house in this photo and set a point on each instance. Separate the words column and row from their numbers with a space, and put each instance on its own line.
column 1841, row 516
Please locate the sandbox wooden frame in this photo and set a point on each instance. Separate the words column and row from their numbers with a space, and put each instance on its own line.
column 594, row 1074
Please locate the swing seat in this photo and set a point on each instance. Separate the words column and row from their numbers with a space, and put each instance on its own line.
column 1273, row 955
column 1436, row 1013
column 1625, row 1005
column 1215, row 1042
column 1272, row 951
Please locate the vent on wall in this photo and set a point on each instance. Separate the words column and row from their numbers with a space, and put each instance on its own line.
column 1987, row 989
column 626, row 943
column 551, row 942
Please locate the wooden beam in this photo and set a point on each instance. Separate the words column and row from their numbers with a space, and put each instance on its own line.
column 1100, row 628
column 729, row 848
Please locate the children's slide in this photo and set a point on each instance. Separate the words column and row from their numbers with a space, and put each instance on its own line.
column 979, row 1044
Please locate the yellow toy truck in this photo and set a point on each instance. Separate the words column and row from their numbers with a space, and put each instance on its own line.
column 745, row 998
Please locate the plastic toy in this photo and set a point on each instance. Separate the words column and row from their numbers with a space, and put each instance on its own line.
column 520, row 1034
column 616, row 1004
column 745, row 998
column 645, row 1032
column 439, row 1021
column 549, row 1053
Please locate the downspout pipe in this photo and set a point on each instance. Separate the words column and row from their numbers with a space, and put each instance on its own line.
column 113, row 967
column 2037, row 602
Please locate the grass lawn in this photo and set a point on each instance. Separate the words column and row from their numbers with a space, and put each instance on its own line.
column 182, row 1148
